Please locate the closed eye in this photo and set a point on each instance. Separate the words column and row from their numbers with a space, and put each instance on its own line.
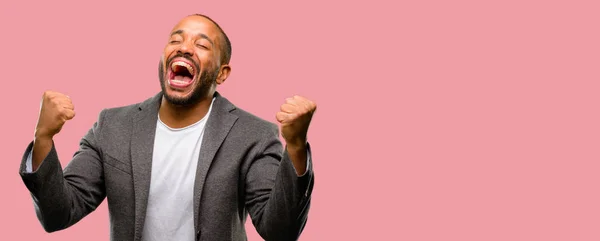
column 201, row 46
column 174, row 42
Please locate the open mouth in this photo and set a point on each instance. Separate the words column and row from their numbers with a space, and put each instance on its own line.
column 181, row 73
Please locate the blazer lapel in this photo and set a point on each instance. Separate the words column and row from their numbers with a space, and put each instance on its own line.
column 217, row 127
column 142, row 145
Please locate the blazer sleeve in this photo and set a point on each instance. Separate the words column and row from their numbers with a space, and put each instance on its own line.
column 62, row 198
column 277, row 199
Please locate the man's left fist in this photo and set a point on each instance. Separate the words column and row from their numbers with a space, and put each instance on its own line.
column 295, row 116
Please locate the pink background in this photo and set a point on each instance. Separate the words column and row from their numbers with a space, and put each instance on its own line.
column 437, row 120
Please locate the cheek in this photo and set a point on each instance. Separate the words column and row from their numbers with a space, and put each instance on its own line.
column 167, row 52
column 207, row 61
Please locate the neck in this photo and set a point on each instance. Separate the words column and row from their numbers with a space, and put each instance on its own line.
column 176, row 116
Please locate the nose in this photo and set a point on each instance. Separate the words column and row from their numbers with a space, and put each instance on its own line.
column 186, row 48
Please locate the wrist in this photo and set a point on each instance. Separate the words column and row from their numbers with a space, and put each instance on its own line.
column 40, row 135
column 298, row 156
column 296, row 146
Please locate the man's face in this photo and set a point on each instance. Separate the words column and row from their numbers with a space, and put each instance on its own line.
column 190, row 62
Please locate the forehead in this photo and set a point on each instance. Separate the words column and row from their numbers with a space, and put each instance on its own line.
column 194, row 25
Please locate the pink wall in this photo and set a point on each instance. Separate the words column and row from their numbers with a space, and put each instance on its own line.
column 437, row 120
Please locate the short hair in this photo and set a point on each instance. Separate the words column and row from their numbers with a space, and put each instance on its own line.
column 225, row 45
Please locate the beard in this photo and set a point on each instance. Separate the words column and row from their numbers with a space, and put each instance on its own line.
column 203, row 85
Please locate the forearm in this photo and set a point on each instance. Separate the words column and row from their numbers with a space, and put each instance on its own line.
column 62, row 198
column 41, row 147
column 283, row 211
column 298, row 155
column 48, row 189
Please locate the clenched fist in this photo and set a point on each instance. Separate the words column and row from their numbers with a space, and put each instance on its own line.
column 295, row 116
column 55, row 110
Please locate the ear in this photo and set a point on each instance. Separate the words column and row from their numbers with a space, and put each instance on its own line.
column 223, row 73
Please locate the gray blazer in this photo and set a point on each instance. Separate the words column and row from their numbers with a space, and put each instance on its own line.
column 243, row 168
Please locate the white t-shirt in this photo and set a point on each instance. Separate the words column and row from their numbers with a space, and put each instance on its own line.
column 170, row 211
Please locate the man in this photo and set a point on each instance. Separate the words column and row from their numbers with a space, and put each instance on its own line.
column 185, row 164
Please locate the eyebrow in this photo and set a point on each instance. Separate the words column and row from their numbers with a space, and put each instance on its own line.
column 201, row 35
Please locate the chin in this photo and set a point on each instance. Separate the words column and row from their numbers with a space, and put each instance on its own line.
column 176, row 96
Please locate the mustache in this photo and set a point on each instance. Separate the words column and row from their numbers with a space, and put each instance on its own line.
column 185, row 56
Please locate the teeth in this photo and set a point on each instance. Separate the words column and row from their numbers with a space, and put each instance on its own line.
column 178, row 81
column 183, row 64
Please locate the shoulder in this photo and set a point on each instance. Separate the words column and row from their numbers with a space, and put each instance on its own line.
column 126, row 112
column 252, row 121
column 120, row 113
column 248, row 120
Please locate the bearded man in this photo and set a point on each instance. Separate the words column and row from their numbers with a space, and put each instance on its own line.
column 186, row 164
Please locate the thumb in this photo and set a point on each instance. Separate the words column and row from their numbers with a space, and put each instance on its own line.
column 69, row 114
column 281, row 117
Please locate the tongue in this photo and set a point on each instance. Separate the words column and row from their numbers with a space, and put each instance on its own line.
column 186, row 79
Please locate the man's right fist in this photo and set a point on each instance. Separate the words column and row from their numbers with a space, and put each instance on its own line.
column 55, row 110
